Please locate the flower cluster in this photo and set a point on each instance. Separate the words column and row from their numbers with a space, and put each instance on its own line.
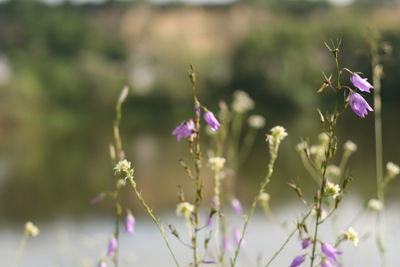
column 356, row 101
column 31, row 229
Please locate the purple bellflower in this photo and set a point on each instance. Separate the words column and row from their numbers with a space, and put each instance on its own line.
column 359, row 105
column 112, row 247
column 298, row 261
column 327, row 264
column 211, row 120
column 361, row 83
column 209, row 261
column 239, row 237
column 130, row 223
column 330, row 252
column 305, row 243
column 236, row 206
column 184, row 130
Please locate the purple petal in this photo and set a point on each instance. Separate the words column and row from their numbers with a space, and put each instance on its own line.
column 211, row 120
column 236, row 206
column 330, row 252
column 361, row 83
column 112, row 247
column 305, row 243
column 102, row 264
column 130, row 224
column 298, row 261
column 226, row 244
column 359, row 105
column 184, row 130
column 209, row 261
column 327, row 264
column 238, row 237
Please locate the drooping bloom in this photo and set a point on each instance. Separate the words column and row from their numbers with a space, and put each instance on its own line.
column 211, row 120
column 361, row 83
column 305, row 243
column 298, row 261
column 130, row 223
column 236, row 206
column 184, row 130
column 330, row 252
column 112, row 247
column 239, row 237
column 359, row 105
column 327, row 264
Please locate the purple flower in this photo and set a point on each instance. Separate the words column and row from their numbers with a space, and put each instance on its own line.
column 236, row 206
column 211, row 120
column 130, row 223
column 305, row 243
column 184, row 130
column 238, row 237
column 298, row 261
column 359, row 105
column 112, row 247
column 330, row 252
column 102, row 264
column 360, row 83
column 226, row 244
column 327, row 264
column 197, row 110
column 209, row 261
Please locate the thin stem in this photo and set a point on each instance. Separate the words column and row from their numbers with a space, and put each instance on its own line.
column 155, row 220
column 21, row 248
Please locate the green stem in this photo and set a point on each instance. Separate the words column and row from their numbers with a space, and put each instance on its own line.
column 21, row 248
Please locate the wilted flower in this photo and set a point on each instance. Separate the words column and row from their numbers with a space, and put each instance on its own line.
column 211, row 120
column 298, row 261
column 330, row 252
column 129, row 223
column 350, row 146
column 184, row 130
column 351, row 236
column 242, row 102
column 392, row 170
column 305, row 243
column 327, row 264
column 375, row 204
column 361, row 83
column 332, row 189
column 112, row 247
column 185, row 208
column 216, row 163
column 236, row 206
column 359, row 105
column 31, row 229
column 256, row 121
column 238, row 236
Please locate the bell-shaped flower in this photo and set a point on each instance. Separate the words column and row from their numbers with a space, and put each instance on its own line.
column 112, row 247
column 330, row 252
column 359, row 105
column 212, row 121
column 298, row 261
column 360, row 83
column 184, row 130
column 130, row 223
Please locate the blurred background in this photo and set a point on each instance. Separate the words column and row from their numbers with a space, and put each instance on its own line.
column 63, row 64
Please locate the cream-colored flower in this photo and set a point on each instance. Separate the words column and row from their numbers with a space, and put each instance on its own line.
column 333, row 171
column 350, row 146
column 184, row 208
column 242, row 102
column 122, row 166
column 278, row 133
column 392, row 169
column 332, row 189
column 216, row 163
column 323, row 138
column 351, row 236
column 31, row 229
column 375, row 204
column 256, row 121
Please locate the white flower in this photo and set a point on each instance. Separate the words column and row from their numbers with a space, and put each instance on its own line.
column 323, row 138
column 242, row 102
column 300, row 147
column 264, row 197
column 375, row 204
column 278, row 133
column 352, row 236
column 256, row 121
column 184, row 208
column 332, row 189
column 333, row 171
column 31, row 229
column 392, row 169
column 350, row 146
column 216, row 163
column 317, row 150
column 122, row 166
